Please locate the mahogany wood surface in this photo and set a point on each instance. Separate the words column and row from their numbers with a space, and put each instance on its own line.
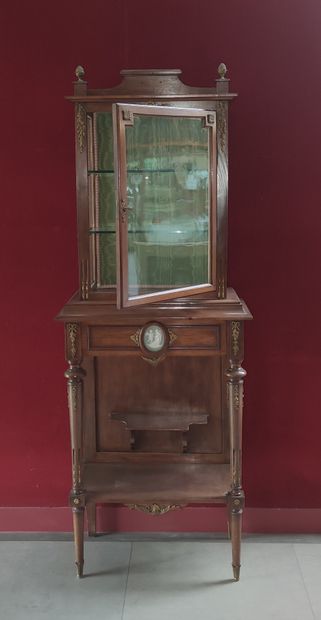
column 163, row 483
column 162, row 422
column 164, row 429
column 177, row 386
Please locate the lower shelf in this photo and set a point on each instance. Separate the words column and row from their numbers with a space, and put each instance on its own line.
column 171, row 482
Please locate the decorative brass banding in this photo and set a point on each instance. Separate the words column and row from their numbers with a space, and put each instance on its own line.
column 154, row 509
column 76, row 470
column 236, row 395
column 73, row 396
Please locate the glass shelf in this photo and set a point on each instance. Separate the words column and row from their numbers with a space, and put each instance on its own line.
column 100, row 171
column 99, row 231
column 106, row 231
column 133, row 171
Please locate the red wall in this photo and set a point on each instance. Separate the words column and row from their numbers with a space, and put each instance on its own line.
column 273, row 52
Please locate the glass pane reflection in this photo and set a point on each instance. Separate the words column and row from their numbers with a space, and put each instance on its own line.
column 168, row 201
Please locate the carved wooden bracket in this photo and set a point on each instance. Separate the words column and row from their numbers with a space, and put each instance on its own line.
column 155, row 509
column 162, row 421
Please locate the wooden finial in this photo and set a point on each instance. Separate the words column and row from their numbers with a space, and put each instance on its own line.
column 222, row 69
column 80, row 73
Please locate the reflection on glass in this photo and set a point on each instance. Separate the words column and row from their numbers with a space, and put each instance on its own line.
column 168, row 203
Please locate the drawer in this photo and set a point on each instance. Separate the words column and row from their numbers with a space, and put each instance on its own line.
column 126, row 337
column 197, row 337
column 111, row 337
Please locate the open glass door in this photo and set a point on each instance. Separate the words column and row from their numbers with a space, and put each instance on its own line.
column 165, row 162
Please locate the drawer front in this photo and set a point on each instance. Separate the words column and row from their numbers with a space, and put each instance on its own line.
column 197, row 337
column 181, row 337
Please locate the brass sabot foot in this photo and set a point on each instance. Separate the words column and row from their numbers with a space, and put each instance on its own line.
column 236, row 572
column 80, row 570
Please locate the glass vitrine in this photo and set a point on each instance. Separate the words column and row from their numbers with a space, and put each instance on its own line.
column 151, row 427
column 153, row 201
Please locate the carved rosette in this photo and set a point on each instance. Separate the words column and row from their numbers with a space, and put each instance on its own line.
column 236, row 502
column 77, row 500
column 154, row 509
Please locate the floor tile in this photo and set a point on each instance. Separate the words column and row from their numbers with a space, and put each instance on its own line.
column 192, row 580
column 37, row 580
column 309, row 558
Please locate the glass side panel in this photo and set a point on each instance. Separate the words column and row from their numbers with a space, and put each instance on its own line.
column 103, row 151
column 168, row 203
column 102, row 198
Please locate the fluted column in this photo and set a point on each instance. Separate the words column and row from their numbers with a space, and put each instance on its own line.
column 235, row 378
column 74, row 376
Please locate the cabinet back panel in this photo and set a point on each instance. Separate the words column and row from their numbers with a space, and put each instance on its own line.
column 176, row 386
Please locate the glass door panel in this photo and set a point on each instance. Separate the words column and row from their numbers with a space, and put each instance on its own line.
column 166, row 172
column 101, row 187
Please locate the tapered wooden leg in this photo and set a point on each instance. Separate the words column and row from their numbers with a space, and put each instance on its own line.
column 75, row 375
column 229, row 527
column 91, row 519
column 235, row 377
column 78, row 523
column 236, row 533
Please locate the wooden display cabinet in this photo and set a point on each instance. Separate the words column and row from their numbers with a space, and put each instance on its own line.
column 154, row 338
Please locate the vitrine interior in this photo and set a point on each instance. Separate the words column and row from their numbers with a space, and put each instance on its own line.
column 154, row 338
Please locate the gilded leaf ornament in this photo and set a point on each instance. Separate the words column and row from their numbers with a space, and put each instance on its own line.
column 172, row 336
column 135, row 337
column 81, row 127
column 235, row 337
column 221, row 125
column 73, row 330
column 154, row 509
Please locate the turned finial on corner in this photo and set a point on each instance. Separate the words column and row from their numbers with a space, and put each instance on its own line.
column 80, row 73
column 222, row 69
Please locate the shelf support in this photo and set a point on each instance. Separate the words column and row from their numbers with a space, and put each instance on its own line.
column 74, row 376
column 235, row 378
